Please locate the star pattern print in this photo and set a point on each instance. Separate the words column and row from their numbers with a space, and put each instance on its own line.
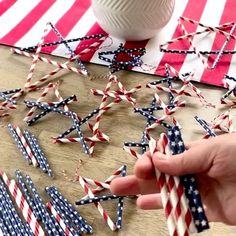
column 189, row 182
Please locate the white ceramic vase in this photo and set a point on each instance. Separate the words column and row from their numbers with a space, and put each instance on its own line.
column 133, row 19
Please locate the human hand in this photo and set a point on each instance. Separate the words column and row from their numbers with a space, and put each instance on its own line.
column 213, row 162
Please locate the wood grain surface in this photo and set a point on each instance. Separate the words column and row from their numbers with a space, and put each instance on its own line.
column 120, row 124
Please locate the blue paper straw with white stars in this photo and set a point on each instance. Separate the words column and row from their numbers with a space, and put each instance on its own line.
column 24, row 189
column 11, row 213
column 205, row 126
column 189, row 182
column 3, row 227
column 41, row 158
column 65, row 220
column 80, row 134
column 45, row 112
column 120, row 204
column 53, row 228
column 7, row 98
column 68, row 209
column 72, row 53
column 18, row 143
column 81, row 122
column 54, row 43
column 151, row 117
column 47, row 107
column 38, row 206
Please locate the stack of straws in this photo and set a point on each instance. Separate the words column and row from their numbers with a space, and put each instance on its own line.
column 65, row 213
column 29, row 148
column 176, row 146
column 56, row 218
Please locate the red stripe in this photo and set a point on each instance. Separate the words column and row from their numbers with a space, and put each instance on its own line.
column 96, row 29
column 193, row 11
column 27, row 22
column 5, row 5
column 130, row 45
column 210, row 76
column 67, row 22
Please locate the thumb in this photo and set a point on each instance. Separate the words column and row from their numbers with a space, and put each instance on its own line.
column 194, row 160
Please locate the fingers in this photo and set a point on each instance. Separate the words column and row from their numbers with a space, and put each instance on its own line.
column 131, row 185
column 195, row 160
column 144, row 168
column 149, row 202
column 195, row 143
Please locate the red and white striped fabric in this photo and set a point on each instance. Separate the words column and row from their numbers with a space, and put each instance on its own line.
column 22, row 23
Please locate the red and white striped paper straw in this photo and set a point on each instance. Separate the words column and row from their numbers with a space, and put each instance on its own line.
column 26, row 146
column 23, row 205
column 40, row 99
column 60, row 221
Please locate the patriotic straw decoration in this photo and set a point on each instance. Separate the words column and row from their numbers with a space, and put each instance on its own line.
column 49, row 107
column 223, row 123
column 91, row 198
column 120, row 94
column 178, row 214
column 72, row 53
column 229, row 97
column 30, row 85
column 64, row 208
column 23, row 205
column 72, row 115
column 33, row 65
column 152, row 120
column 123, row 58
column 96, row 199
column 97, row 135
column 77, row 121
column 29, row 119
column 205, row 126
column 185, row 79
column 203, row 29
column 29, row 148
column 176, row 145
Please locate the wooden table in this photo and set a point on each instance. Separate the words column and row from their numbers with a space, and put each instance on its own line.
column 120, row 123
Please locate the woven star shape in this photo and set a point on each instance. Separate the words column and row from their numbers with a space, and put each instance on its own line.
column 148, row 113
column 118, row 95
column 79, row 68
column 123, row 58
column 187, row 88
column 225, row 30
column 229, row 98
column 53, row 89
column 86, row 184
column 222, row 123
